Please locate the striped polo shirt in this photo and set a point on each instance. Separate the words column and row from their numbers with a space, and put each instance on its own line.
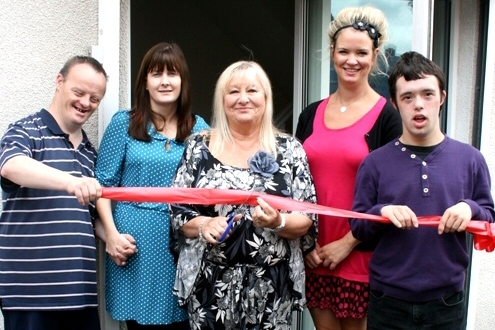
column 47, row 243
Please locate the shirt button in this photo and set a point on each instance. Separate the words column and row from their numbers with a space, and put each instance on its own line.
column 424, row 176
column 425, row 190
column 413, row 156
column 424, row 163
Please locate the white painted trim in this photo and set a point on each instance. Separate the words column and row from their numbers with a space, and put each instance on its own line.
column 452, row 93
column 326, row 16
column 109, row 43
column 300, row 38
column 423, row 26
column 488, row 106
column 109, row 54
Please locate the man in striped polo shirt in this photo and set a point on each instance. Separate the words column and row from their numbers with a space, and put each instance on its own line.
column 47, row 243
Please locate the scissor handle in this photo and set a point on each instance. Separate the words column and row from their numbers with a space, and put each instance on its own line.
column 230, row 222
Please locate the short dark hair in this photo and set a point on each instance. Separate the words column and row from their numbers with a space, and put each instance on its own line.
column 80, row 59
column 413, row 66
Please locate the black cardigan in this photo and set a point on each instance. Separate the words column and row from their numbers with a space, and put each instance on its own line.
column 387, row 127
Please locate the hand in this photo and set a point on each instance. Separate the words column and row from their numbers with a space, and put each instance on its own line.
column 455, row 218
column 312, row 260
column 214, row 228
column 85, row 189
column 400, row 215
column 265, row 216
column 333, row 253
column 120, row 247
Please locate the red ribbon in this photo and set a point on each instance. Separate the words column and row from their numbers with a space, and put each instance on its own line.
column 483, row 231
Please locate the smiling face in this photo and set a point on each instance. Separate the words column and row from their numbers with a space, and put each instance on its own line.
column 164, row 87
column 77, row 96
column 353, row 56
column 244, row 99
column 419, row 102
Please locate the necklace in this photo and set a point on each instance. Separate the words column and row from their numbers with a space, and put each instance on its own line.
column 343, row 107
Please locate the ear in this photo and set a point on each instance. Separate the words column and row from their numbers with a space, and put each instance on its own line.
column 443, row 97
column 394, row 104
column 59, row 80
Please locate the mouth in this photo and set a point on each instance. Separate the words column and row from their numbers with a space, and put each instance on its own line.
column 351, row 70
column 80, row 110
column 419, row 118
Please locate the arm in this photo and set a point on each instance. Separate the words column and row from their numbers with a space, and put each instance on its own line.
column 288, row 225
column 365, row 201
column 109, row 171
column 333, row 253
column 478, row 207
column 25, row 171
column 118, row 246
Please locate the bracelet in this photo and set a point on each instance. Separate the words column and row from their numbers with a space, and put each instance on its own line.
column 200, row 233
column 281, row 226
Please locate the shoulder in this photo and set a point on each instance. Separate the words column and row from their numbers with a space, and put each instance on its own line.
column 200, row 124
column 310, row 110
column 286, row 138
column 197, row 137
column 121, row 116
column 463, row 148
column 389, row 113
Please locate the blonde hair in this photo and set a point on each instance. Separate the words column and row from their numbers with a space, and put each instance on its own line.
column 347, row 17
column 220, row 127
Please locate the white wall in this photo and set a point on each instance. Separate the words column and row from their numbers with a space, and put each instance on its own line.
column 36, row 38
column 485, row 300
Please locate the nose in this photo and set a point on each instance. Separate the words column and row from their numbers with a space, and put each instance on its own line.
column 165, row 81
column 243, row 97
column 351, row 59
column 85, row 100
column 418, row 103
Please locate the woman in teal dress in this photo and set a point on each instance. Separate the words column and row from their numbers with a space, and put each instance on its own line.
column 141, row 148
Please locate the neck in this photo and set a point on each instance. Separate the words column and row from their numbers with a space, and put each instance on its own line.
column 73, row 130
column 347, row 96
column 422, row 141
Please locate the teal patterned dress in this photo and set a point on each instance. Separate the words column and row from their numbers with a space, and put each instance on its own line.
column 255, row 278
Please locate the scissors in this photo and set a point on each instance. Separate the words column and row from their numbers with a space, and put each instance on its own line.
column 230, row 220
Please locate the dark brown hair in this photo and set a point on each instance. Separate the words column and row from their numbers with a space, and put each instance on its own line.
column 414, row 66
column 161, row 56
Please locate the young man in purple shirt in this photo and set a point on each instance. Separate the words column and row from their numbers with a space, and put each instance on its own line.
column 417, row 273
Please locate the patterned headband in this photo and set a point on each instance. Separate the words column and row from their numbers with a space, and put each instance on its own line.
column 364, row 26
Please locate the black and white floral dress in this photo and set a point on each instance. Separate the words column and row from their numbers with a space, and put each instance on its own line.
column 255, row 278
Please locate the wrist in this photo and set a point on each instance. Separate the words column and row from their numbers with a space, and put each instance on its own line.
column 200, row 230
column 281, row 225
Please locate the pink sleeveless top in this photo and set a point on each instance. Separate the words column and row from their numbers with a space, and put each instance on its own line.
column 334, row 156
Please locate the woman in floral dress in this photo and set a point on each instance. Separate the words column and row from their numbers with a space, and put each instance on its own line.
column 254, row 278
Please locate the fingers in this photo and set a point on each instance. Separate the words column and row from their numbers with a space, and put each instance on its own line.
column 214, row 228
column 85, row 189
column 312, row 260
column 455, row 218
column 265, row 216
column 120, row 248
column 401, row 216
